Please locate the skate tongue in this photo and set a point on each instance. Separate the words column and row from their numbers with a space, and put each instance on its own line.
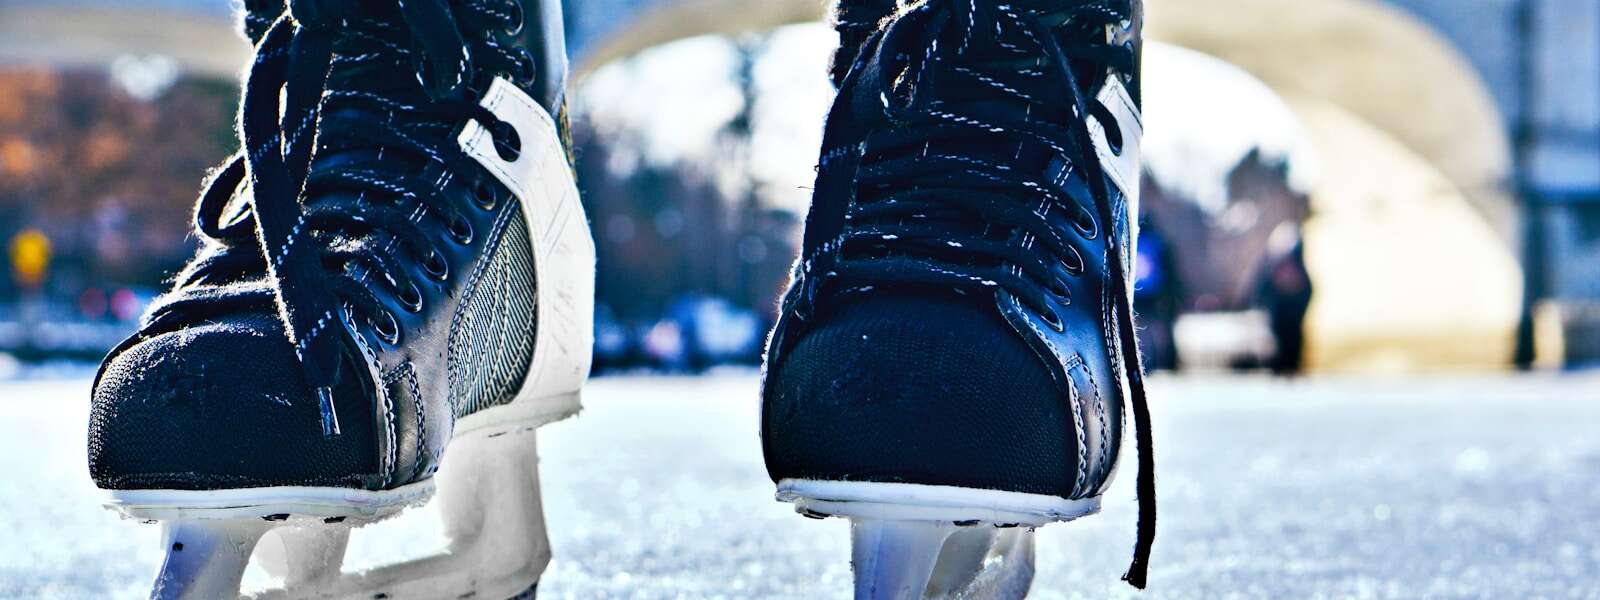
column 281, row 120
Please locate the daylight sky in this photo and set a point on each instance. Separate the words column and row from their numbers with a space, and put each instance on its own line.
column 1202, row 115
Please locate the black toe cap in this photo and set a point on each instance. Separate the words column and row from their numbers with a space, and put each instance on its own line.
column 219, row 405
column 934, row 389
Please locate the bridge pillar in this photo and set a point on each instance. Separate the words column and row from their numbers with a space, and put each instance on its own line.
column 1560, row 166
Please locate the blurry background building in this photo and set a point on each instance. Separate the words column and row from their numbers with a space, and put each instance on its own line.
column 1429, row 168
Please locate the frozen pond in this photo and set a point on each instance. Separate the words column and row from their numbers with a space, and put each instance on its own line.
column 1466, row 487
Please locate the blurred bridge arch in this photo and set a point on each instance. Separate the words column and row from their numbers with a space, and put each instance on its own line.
column 1499, row 98
column 1380, row 63
column 1385, row 64
column 1382, row 96
column 1490, row 104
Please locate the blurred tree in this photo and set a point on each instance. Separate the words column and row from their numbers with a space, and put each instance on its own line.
column 110, row 178
column 666, row 231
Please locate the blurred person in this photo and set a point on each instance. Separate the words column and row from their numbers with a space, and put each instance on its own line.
column 1284, row 290
column 395, row 280
column 1157, row 299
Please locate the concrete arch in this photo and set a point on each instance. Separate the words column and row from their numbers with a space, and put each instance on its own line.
column 1410, row 241
column 83, row 34
column 665, row 21
column 1430, row 157
column 1373, row 60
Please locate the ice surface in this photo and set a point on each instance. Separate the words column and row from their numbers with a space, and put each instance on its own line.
column 1480, row 487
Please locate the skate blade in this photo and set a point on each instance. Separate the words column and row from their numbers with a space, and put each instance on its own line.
column 906, row 560
column 488, row 490
column 925, row 541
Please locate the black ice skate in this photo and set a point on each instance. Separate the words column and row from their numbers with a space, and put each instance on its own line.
column 956, row 354
column 395, row 279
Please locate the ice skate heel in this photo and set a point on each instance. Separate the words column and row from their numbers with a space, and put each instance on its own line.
column 923, row 541
column 488, row 490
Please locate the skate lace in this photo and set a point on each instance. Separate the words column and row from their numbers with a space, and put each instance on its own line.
column 855, row 20
column 336, row 187
column 944, row 194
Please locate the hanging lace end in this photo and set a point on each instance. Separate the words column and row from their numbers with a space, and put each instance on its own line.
column 1137, row 571
column 1146, row 484
column 330, row 417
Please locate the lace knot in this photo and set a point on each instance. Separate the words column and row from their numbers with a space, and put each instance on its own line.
column 321, row 15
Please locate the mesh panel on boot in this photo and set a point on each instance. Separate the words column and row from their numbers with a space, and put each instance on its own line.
column 931, row 388
column 221, row 404
column 492, row 337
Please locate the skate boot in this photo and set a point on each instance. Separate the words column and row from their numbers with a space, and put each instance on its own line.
column 395, row 281
column 955, row 359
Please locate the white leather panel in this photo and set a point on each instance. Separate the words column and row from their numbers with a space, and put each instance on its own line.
column 1122, row 168
column 563, row 250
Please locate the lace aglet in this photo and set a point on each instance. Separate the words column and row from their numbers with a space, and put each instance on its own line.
column 1136, row 575
column 330, row 418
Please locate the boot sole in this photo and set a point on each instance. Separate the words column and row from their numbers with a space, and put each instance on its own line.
column 927, row 541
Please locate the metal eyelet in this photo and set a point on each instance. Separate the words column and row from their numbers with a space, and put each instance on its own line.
column 484, row 196
column 436, row 266
column 461, row 230
column 410, row 298
column 518, row 19
column 1086, row 225
column 387, row 328
column 1075, row 265
column 527, row 68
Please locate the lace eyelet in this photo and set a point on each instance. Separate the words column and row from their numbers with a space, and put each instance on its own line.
column 1086, row 225
column 1074, row 264
column 518, row 19
column 410, row 298
column 387, row 328
column 425, row 75
column 1053, row 320
column 461, row 230
column 485, row 197
column 507, row 142
column 1058, row 288
column 527, row 68
column 1114, row 141
column 436, row 266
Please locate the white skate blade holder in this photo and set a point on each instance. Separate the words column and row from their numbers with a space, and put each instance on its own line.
column 493, row 519
column 913, row 541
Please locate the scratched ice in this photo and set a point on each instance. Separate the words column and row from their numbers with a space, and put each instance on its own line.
column 1480, row 487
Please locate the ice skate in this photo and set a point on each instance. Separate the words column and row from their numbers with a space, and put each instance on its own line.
column 956, row 359
column 394, row 290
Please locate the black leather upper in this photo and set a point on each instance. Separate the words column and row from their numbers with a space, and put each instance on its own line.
column 923, row 387
column 926, row 386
